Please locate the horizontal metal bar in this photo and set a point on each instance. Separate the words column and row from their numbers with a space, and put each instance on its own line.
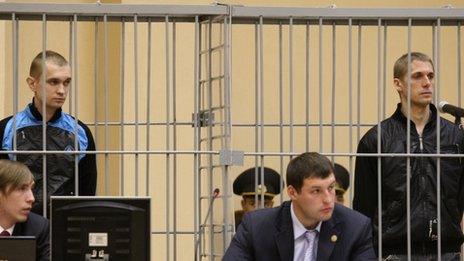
column 111, row 152
column 213, row 225
column 162, row 152
column 173, row 232
column 348, row 154
column 111, row 10
column 300, row 124
column 213, row 19
column 140, row 123
column 215, row 78
column 344, row 13
column 212, row 166
column 214, row 137
column 214, row 48
column 211, row 197
column 190, row 123
column 240, row 14
column 213, row 255
column 216, row 108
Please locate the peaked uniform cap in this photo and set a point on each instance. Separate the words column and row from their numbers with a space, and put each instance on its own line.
column 244, row 184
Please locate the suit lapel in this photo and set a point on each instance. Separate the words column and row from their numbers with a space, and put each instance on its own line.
column 328, row 237
column 284, row 233
column 18, row 229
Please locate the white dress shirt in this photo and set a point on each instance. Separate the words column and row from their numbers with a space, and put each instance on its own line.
column 299, row 236
column 10, row 230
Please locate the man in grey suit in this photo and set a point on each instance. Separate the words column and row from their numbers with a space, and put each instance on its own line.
column 310, row 226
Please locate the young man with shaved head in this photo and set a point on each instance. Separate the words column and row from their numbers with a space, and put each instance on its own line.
column 61, row 133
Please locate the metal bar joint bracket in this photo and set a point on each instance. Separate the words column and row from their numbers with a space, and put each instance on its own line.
column 231, row 157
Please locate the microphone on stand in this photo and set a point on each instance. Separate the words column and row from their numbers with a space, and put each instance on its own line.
column 445, row 107
column 457, row 112
column 214, row 196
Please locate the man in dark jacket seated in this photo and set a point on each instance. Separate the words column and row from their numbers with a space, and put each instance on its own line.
column 308, row 228
column 16, row 198
column 416, row 107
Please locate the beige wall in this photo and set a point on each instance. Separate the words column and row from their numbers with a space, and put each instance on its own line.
column 243, row 97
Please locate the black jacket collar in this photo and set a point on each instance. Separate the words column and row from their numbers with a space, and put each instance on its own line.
column 399, row 116
column 38, row 116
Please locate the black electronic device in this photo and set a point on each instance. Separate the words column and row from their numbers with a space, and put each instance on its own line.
column 15, row 248
column 100, row 228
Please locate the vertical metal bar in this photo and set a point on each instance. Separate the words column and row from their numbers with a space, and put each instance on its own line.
column 168, row 147
column 174, row 136
column 281, row 110
column 196, row 137
column 136, row 105
column 71, row 97
column 434, row 28
column 290, row 76
column 228, row 85
column 75, row 85
column 459, row 68
column 384, row 109
column 257, row 107
column 147, row 173
column 105, row 82
column 15, row 43
column 334, row 70
column 121, row 97
column 71, row 63
column 321, row 118
column 379, row 134
column 350, row 103
column 261, row 106
column 408, row 148
column 210, row 135
column 308, row 100
column 358, row 94
column 96, row 84
column 44, row 114
column 459, row 64
column 437, row 97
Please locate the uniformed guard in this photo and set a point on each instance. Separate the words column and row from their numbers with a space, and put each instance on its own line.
column 244, row 185
column 342, row 177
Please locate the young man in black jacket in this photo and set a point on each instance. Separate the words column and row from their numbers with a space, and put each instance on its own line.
column 424, row 126
column 61, row 133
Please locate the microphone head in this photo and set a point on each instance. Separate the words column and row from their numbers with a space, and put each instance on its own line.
column 216, row 192
column 441, row 105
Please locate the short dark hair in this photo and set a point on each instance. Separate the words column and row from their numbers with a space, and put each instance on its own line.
column 50, row 56
column 400, row 69
column 307, row 165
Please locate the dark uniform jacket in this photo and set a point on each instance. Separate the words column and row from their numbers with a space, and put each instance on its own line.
column 423, row 184
column 60, row 137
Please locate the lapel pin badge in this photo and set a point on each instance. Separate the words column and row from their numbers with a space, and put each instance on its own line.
column 333, row 238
